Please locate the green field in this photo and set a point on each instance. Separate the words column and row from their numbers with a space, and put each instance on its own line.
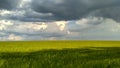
column 60, row 54
column 30, row 46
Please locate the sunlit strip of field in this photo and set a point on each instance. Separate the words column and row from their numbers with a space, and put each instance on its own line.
column 29, row 46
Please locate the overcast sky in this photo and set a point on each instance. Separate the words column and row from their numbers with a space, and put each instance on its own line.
column 59, row 20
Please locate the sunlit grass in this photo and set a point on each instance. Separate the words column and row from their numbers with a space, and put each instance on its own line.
column 60, row 54
column 29, row 46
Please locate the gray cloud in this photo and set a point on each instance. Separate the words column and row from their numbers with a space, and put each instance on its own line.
column 103, row 29
column 9, row 4
column 111, row 12
column 86, row 19
column 51, row 10
column 71, row 9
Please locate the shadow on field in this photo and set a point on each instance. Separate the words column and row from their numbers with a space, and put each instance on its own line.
column 66, row 58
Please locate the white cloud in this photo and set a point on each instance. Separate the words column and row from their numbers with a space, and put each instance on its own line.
column 90, row 21
column 4, row 12
column 10, row 37
column 61, row 24
column 39, row 26
column 4, row 24
column 84, row 23
column 24, row 3
column 107, row 30
column 35, row 28
column 14, row 37
column 32, row 26
column 86, row 28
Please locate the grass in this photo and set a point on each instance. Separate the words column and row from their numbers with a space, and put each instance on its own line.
column 60, row 54
column 30, row 46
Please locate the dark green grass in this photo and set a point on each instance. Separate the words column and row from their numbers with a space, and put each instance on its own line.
column 67, row 58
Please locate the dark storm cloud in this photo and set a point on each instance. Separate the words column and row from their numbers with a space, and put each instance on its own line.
column 71, row 9
column 9, row 4
column 51, row 10
column 111, row 12
column 29, row 16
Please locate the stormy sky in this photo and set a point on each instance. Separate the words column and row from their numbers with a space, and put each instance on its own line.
column 59, row 20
